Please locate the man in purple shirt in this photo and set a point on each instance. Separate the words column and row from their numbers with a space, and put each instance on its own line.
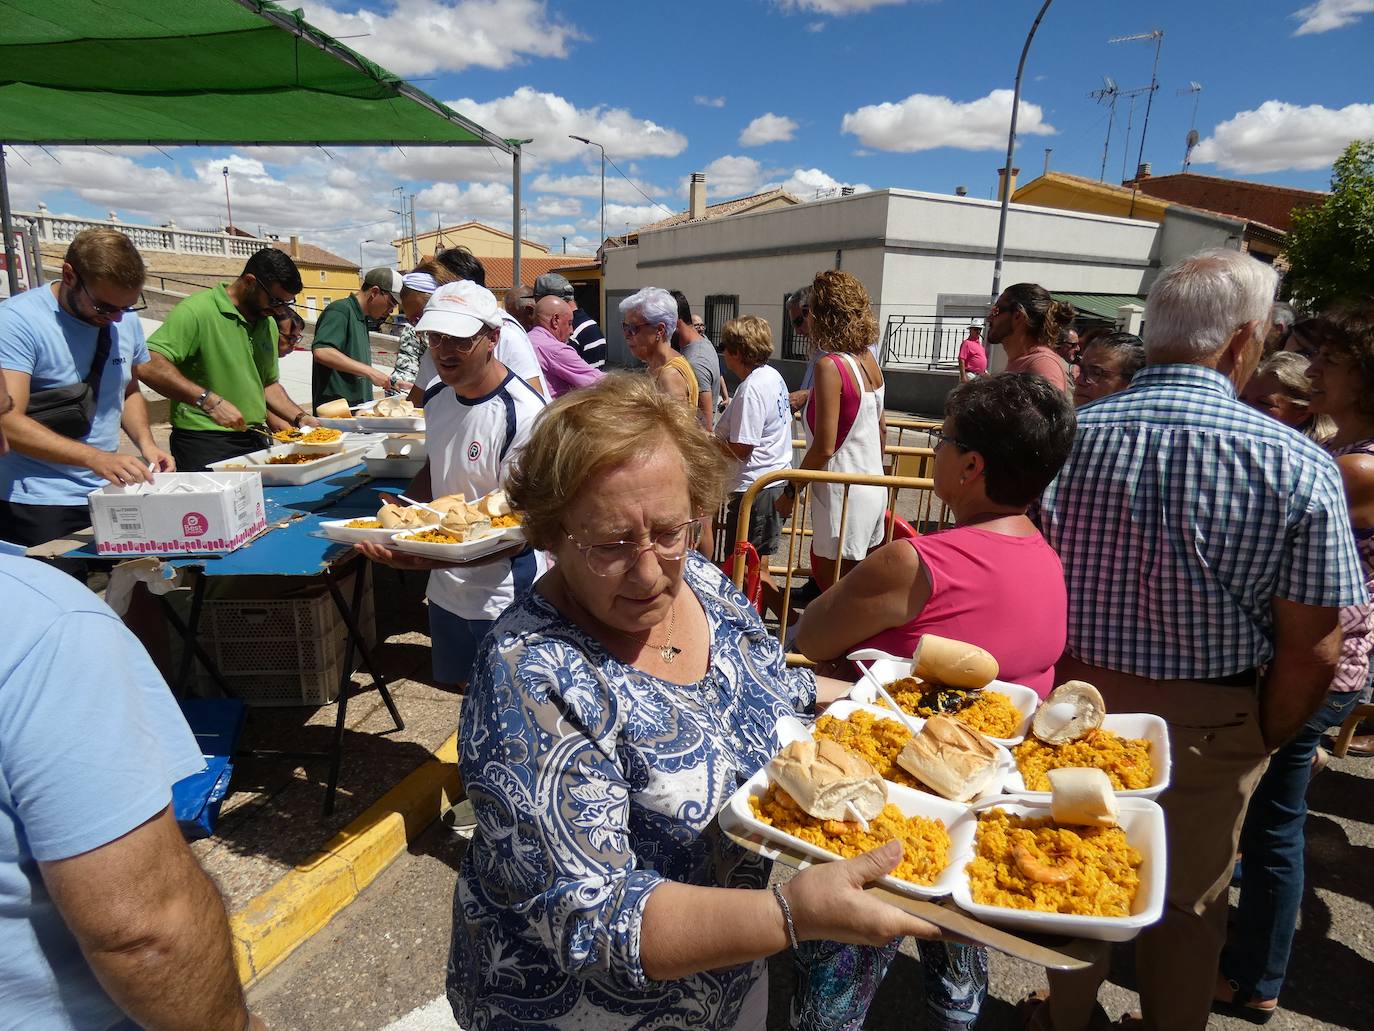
column 563, row 368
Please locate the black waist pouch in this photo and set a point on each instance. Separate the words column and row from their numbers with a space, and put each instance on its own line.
column 70, row 409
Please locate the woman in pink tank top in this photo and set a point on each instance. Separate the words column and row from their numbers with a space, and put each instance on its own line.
column 991, row 579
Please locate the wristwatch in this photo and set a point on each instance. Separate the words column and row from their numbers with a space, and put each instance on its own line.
column 296, row 419
column 204, row 396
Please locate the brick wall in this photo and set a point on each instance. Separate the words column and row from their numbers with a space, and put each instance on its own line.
column 1272, row 205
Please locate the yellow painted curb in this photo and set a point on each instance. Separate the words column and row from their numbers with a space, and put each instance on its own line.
column 281, row 919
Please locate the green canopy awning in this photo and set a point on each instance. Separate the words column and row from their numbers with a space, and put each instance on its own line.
column 201, row 73
column 1099, row 306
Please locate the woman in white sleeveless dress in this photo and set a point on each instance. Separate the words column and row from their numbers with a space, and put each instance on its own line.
column 844, row 426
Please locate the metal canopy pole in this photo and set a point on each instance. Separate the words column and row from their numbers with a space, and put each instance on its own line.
column 517, row 230
column 6, row 226
column 1011, row 148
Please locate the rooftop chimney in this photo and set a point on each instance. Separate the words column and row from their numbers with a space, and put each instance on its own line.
column 1143, row 172
column 696, row 196
column 1003, row 185
column 961, row 191
column 295, row 246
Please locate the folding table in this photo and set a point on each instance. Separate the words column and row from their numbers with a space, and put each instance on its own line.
column 293, row 547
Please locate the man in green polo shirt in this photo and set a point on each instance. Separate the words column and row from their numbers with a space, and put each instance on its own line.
column 342, row 349
column 215, row 358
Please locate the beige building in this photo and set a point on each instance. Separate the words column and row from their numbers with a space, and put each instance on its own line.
column 483, row 240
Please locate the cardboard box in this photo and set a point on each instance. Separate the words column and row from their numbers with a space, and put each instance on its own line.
column 179, row 514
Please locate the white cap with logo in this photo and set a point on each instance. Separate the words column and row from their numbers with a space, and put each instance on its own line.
column 460, row 309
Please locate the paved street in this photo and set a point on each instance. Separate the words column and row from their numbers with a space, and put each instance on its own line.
column 380, row 964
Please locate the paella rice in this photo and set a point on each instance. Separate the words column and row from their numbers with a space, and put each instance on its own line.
column 295, row 458
column 1125, row 761
column 875, row 739
column 501, row 522
column 925, row 841
column 433, row 536
column 364, row 524
column 989, row 712
column 319, row 435
column 1031, row 863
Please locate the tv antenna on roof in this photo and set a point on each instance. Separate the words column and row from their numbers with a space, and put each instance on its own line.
column 1109, row 94
column 1195, row 88
column 1158, row 36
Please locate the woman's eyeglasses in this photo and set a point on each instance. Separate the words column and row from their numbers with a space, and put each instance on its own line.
column 945, row 438
column 630, row 329
column 612, row 558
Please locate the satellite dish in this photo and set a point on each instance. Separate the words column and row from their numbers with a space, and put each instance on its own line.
column 1192, row 138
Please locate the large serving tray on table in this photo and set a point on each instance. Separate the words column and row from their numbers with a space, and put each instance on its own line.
column 290, row 475
column 895, row 668
column 1128, row 725
column 1143, row 822
column 381, row 464
column 1006, row 765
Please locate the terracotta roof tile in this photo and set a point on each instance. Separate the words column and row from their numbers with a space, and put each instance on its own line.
column 317, row 256
column 500, row 270
column 721, row 210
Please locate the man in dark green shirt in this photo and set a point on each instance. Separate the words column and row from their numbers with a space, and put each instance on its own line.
column 215, row 358
column 342, row 349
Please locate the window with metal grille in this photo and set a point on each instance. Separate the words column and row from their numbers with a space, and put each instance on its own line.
column 720, row 309
column 796, row 346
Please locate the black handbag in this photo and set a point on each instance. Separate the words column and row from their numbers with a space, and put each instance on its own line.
column 70, row 409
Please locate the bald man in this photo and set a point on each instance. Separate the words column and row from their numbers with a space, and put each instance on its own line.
column 563, row 368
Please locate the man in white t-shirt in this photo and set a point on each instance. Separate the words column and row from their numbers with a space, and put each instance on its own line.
column 476, row 424
column 756, row 429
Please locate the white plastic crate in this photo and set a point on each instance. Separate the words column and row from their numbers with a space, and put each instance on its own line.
column 282, row 651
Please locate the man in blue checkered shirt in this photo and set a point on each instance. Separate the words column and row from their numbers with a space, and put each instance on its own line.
column 1207, row 551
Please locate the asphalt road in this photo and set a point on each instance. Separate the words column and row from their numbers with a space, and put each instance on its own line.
column 380, row 963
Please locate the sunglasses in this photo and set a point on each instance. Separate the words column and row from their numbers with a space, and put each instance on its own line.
column 275, row 303
column 101, row 308
column 463, row 345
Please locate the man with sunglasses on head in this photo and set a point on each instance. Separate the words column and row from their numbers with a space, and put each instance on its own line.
column 60, row 336
column 343, row 347
column 476, row 424
column 215, row 358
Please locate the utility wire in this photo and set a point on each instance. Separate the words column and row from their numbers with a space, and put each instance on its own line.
column 665, row 207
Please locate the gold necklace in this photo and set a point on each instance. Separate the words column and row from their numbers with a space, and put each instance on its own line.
column 667, row 652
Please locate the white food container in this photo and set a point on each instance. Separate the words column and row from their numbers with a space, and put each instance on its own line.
column 179, row 514
column 894, row 668
column 1129, row 725
column 1143, row 822
column 290, row 475
column 465, row 551
column 376, row 424
column 1006, row 766
column 339, row 530
column 384, row 466
column 404, row 446
column 958, row 820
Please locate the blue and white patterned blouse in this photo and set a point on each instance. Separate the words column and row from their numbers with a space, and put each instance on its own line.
column 593, row 782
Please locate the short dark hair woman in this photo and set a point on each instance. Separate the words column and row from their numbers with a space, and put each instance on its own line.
column 991, row 580
column 1107, row 361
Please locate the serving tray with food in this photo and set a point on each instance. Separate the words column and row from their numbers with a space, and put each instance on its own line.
column 385, row 415
column 950, row 678
column 460, row 531
column 1073, row 729
column 390, row 519
column 1086, row 863
column 944, row 758
column 291, row 465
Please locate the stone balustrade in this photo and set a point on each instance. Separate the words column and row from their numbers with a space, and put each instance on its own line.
column 59, row 229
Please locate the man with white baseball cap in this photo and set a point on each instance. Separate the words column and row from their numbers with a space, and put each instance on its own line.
column 476, row 426
column 342, row 347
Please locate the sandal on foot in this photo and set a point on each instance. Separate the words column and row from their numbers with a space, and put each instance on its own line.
column 1257, row 1011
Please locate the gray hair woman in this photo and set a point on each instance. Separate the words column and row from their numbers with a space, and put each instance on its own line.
column 648, row 320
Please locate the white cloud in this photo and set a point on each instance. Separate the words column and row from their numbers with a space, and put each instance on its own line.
column 815, row 26
column 617, row 189
column 480, row 164
column 548, row 119
column 556, row 207
column 835, row 6
column 925, row 122
column 417, row 37
column 702, row 101
column 618, row 216
column 812, row 183
column 458, row 203
column 767, row 128
column 732, row 176
column 1278, row 135
column 1325, row 15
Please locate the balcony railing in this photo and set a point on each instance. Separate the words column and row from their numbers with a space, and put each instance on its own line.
column 60, row 229
column 923, row 341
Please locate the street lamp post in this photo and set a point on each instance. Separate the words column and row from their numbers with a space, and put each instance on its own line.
column 593, row 143
column 1011, row 148
column 227, row 207
column 360, row 254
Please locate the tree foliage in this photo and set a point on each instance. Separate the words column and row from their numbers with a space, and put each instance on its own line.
column 1331, row 246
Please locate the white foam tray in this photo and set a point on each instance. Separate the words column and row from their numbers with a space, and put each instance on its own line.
column 290, row 475
column 1129, row 725
column 1143, row 822
column 466, row 551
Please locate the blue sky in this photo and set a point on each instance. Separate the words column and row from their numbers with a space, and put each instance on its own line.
column 809, row 94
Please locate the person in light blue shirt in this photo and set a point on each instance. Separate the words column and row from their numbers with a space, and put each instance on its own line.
column 106, row 919
column 50, row 337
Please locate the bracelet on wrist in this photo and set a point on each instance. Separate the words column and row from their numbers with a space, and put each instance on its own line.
column 786, row 915
column 296, row 420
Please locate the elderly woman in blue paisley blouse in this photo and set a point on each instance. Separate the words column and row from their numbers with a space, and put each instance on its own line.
column 612, row 711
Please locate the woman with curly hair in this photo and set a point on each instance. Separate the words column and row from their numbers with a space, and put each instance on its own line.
column 1027, row 322
column 844, row 426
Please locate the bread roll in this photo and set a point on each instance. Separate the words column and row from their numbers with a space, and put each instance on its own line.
column 494, row 504
column 394, row 408
column 950, row 759
column 336, row 409
column 465, row 523
column 448, row 502
column 1081, row 795
column 824, row 778
column 953, row 663
column 1074, row 709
